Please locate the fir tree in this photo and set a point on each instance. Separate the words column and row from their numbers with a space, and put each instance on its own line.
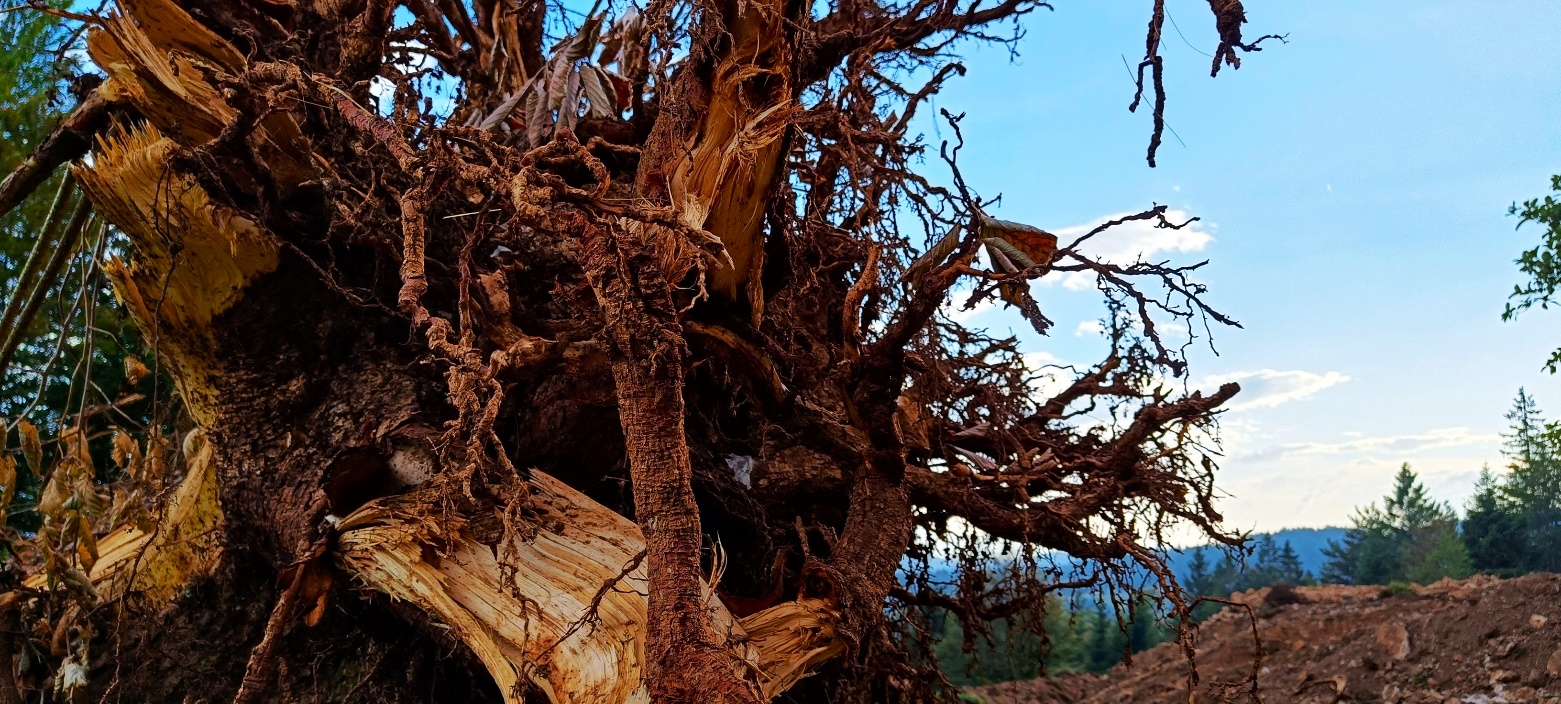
column 1411, row 537
column 1290, row 569
column 1105, row 642
column 1533, row 483
column 1493, row 532
column 1199, row 580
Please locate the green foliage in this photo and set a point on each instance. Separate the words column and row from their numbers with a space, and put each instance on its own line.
column 1542, row 264
column 1077, row 637
column 1409, row 538
column 33, row 96
column 1397, row 587
column 1513, row 523
column 1270, row 563
column 70, row 361
column 1492, row 531
column 1069, row 639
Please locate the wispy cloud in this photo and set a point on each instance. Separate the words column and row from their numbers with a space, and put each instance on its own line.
column 1319, row 483
column 1266, row 388
column 1131, row 241
column 1396, row 445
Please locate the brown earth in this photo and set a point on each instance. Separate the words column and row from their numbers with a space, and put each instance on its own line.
column 1478, row 641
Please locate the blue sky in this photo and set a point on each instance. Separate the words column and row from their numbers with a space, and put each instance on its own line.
column 1353, row 186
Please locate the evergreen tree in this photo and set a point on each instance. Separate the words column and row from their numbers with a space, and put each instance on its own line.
column 1368, row 553
column 1524, row 441
column 1493, row 532
column 1533, row 483
column 1070, row 639
column 1144, row 630
column 1270, row 563
column 1199, row 580
column 1442, row 554
column 1105, row 642
column 1513, row 524
column 1290, row 569
column 1411, row 537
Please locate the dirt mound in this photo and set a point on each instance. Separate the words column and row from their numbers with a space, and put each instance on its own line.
column 1478, row 641
column 1064, row 688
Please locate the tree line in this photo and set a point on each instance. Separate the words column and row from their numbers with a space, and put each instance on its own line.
column 1510, row 526
column 1073, row 636
column 1084, row 633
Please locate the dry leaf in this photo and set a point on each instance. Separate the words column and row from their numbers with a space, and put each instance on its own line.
column 124, row 448
column 600, row 92
column 156, row 459
column 1037, row 245
column 8, row 478
column 1000, row 260
column 52, row 501
column 74, row 447
column 135, row 371
column 32, row 446
column 1014, row 254
column 316, row 589
column 933, row 257
column 88, row 500
column 86, row 546
column 1012, row 293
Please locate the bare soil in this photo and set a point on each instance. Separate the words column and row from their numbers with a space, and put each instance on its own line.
column 1478, row 641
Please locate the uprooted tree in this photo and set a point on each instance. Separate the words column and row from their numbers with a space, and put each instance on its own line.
column 601, row 357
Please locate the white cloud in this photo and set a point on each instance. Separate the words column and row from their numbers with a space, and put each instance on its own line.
column 1317, row 484
column 1130, row 241
column 1437, row 439
column 954, row 307
column 1267, row 388
column 1089, row 328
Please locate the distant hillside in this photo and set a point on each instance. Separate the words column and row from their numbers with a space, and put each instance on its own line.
column 1308, row 543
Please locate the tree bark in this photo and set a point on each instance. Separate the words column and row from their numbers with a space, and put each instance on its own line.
column 423, row 355
column 646, row 346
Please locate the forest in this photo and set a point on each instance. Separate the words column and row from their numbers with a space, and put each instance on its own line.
column 1508, row 528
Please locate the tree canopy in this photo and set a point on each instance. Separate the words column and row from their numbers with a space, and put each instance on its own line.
column 1542, row 263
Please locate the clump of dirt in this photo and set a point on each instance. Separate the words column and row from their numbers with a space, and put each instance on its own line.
column 1478, row 641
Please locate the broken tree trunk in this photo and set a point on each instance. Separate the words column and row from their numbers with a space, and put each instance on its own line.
column 566, row 609
column 438, row 364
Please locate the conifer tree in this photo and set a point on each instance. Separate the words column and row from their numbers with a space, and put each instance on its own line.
column 1492, row 531
column 1411, row 537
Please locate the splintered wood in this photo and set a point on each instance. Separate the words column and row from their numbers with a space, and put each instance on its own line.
column 571, row 619
column 193, row 258
column 722, row 181
column 186, row 543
